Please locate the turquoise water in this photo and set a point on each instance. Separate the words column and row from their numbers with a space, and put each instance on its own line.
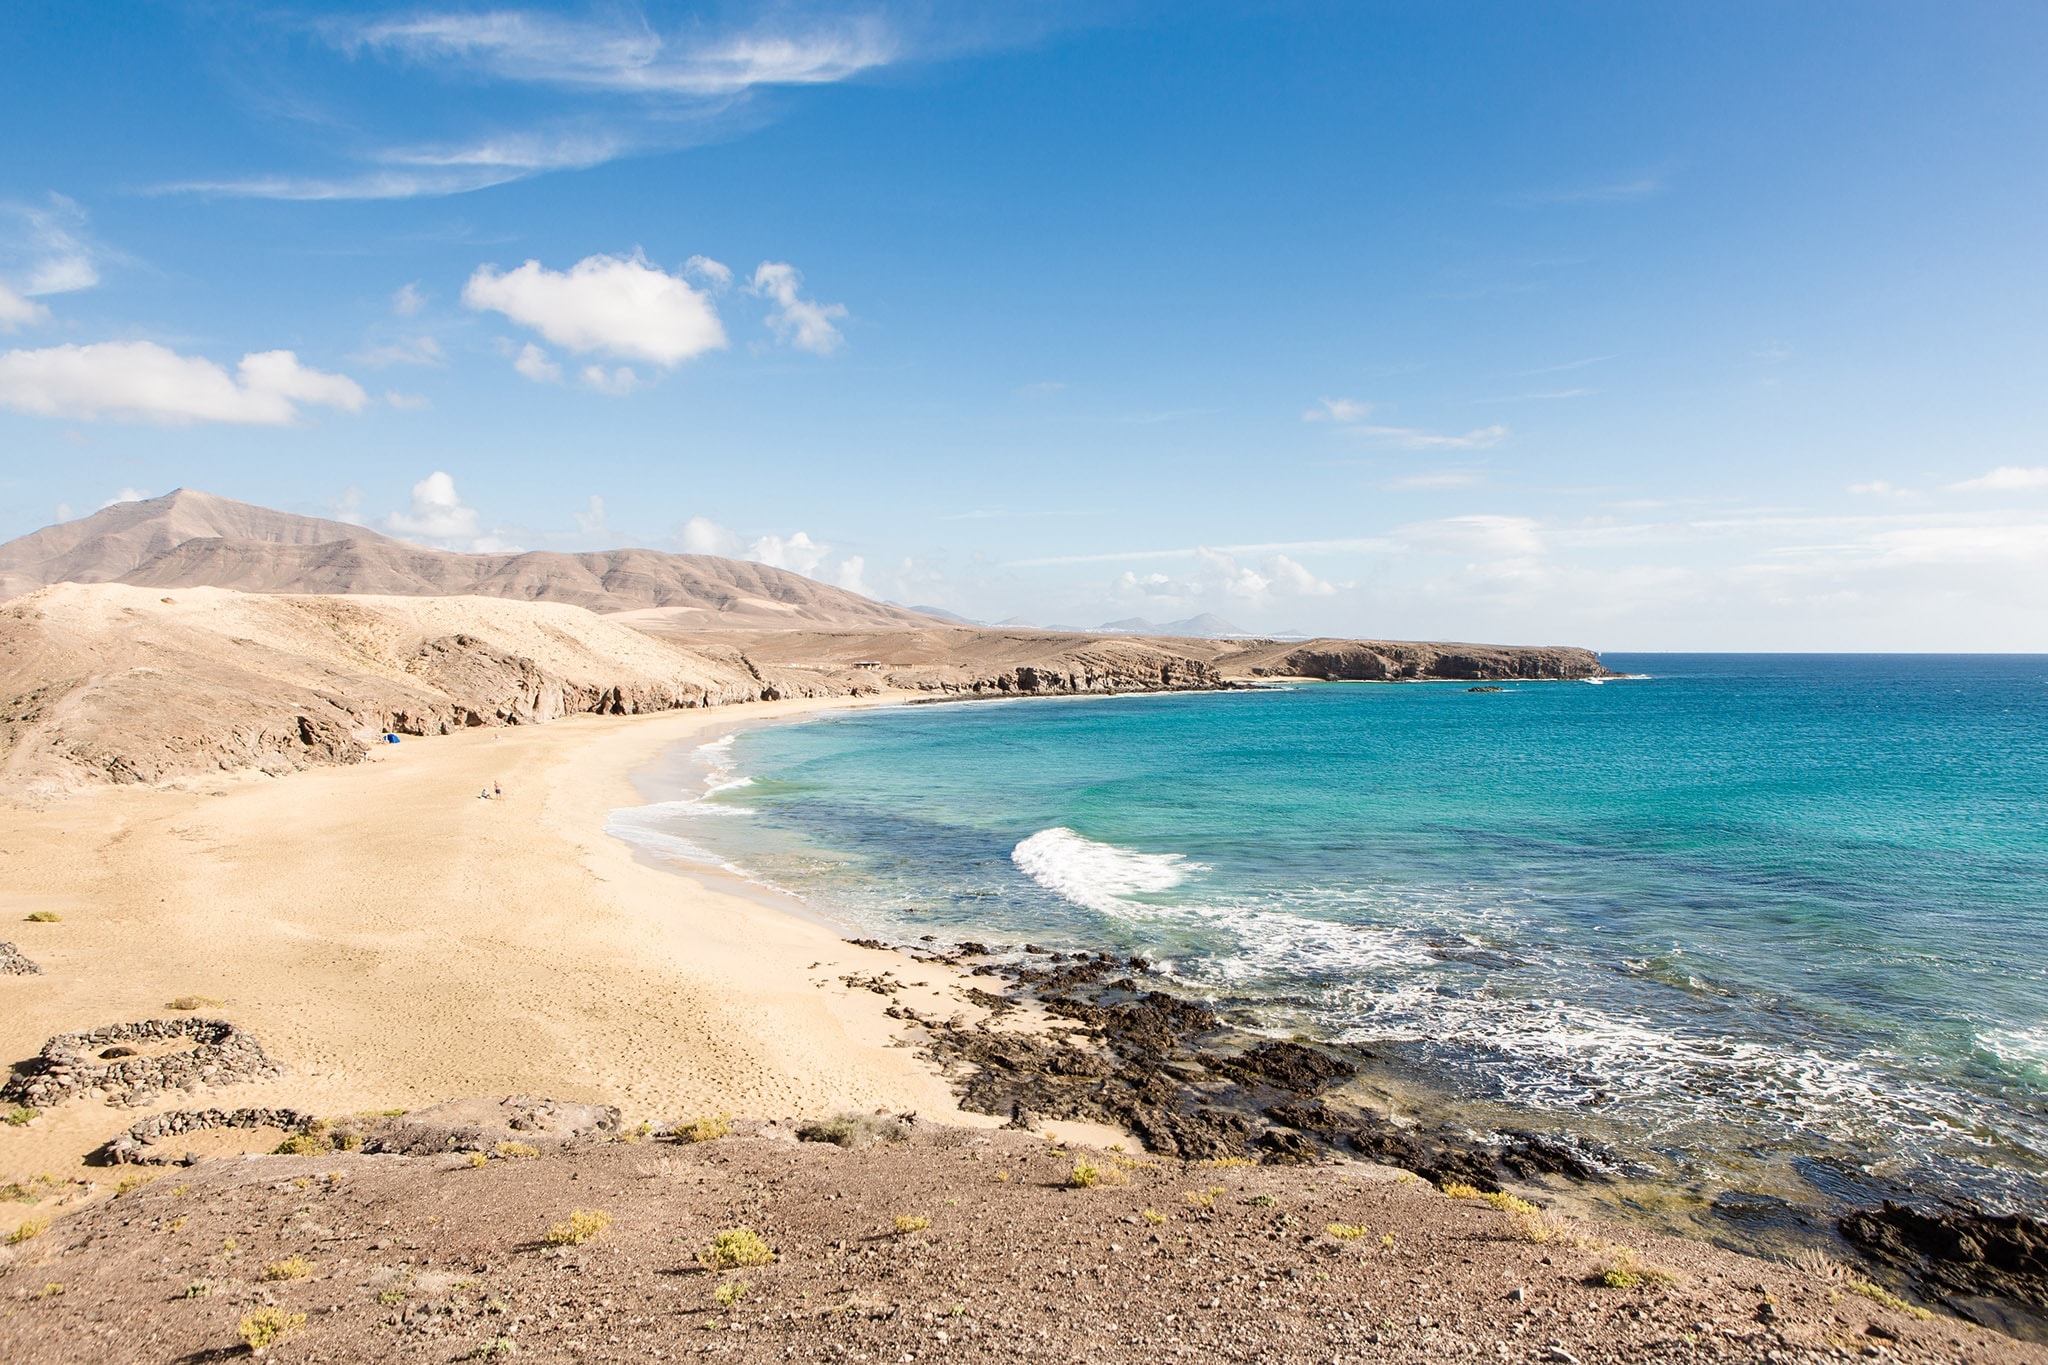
column 1772, row 921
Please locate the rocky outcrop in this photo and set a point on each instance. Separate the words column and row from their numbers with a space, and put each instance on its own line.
column 13, row 963
column 479, row 1125
column 1990, row 1268
column 1385, row 661
column 113, row 1063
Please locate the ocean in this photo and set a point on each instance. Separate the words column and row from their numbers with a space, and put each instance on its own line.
column 1768, row 923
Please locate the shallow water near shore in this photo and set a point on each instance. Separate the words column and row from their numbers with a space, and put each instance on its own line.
column 1763, row 922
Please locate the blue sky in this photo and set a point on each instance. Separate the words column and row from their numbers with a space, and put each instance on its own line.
column 1713, row 326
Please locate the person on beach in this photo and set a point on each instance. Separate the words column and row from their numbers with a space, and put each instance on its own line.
column 497, row 790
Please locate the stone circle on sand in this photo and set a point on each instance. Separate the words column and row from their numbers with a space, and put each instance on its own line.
column 108, row 1062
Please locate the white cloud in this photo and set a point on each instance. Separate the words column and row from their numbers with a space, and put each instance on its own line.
column 590, row 521
column 1414, row 438
column 798, row 553
column 408, row 402
column 127, row 495
column 716, row 275
column 703, row 536
column 533, row 362
column 16, row 311
column 626, row 55
column 1338, row 410
column 420, row 350
column 407, row 300
column 142, row 381
column 1290, row 577
column 440, row 517
column 618, row 305
column 618, row 382
column 1876, row 488
column 2004, row 479
column 799, row 322
column 1217, row 574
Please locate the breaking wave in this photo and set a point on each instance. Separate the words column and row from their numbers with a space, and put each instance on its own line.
column 1100, row 877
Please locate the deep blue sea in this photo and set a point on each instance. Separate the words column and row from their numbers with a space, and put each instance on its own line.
column 1777, row 922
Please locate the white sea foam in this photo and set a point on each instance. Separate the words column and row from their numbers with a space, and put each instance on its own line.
column 2026, row 1046
column 1099, row 876
column 641, row 826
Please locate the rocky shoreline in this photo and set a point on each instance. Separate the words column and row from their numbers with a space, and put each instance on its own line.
column 1119, row 1050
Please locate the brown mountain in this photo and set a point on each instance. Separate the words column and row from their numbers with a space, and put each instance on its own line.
column 187, row 539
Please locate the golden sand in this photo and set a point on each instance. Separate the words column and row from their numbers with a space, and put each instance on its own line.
column 396, row 941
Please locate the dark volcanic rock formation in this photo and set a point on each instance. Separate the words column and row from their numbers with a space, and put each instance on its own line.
column 1988, row 1268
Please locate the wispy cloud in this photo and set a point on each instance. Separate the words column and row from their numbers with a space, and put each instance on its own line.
column 1337, row 410
column 428, row 171
column 1616, row 191
column 419, row 350
column 1415, row 438
column 1437, row 482
column 1349, row 414
column 631, row 89
column 1560, row 369
column 1539, row 397
column 1349, row 546
column 47, row 249
column 2004, row 479
column 627, row 55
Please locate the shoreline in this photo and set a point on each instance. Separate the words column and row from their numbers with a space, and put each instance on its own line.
column 1547, row 1154
column 393, row 940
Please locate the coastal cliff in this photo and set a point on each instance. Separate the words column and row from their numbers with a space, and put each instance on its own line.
column 115, row 683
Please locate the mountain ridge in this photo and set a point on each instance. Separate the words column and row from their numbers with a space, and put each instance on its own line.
column 189, row 539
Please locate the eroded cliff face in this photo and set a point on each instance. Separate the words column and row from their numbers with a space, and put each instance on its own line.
column 1384, row 661
column 112, row 684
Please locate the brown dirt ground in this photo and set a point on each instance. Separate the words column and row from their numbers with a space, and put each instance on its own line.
column 431, row 1259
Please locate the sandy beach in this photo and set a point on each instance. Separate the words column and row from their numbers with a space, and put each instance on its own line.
column 394, row 941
